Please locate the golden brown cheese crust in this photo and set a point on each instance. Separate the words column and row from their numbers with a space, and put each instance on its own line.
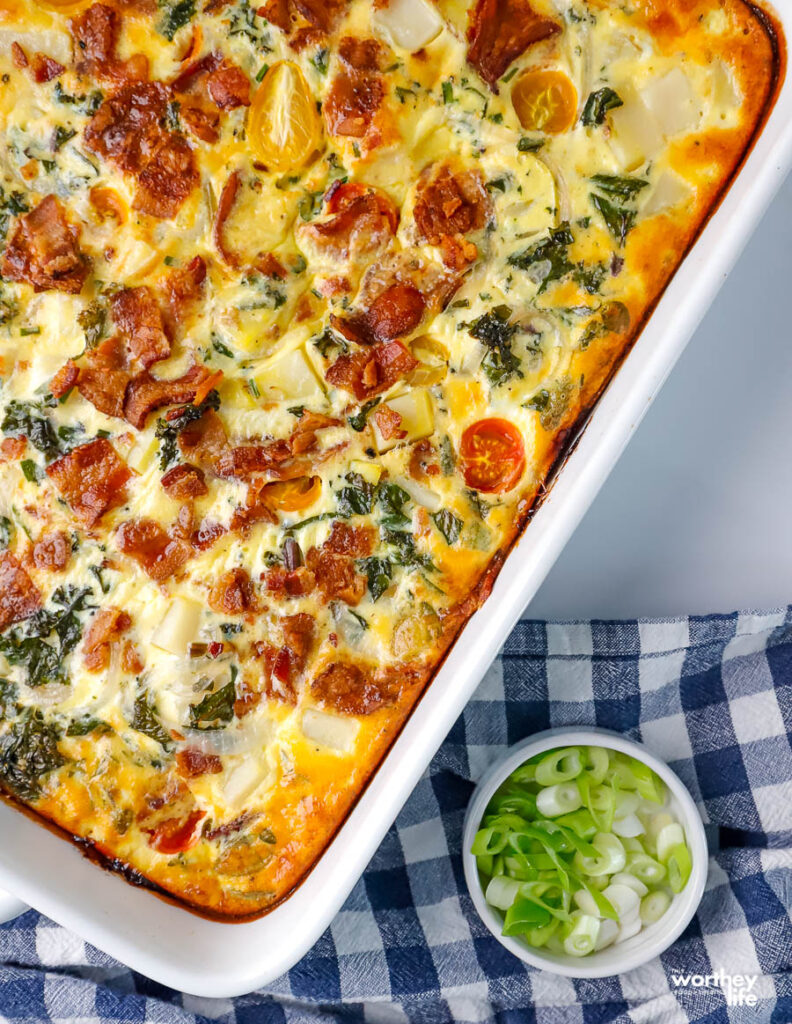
column 301, row 310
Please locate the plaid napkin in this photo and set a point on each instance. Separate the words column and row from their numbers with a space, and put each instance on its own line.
column 711, row 695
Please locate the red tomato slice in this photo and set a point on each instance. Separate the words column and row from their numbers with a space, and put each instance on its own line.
column 176, row 835
column 493, row 455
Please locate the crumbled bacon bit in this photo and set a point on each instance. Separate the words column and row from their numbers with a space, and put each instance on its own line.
column 360, row 54
column 95, row 33
column 153, row 548
column 126, row 128
column 229, row 87
column 145, row 393
column 184, row 482
column 192, row 763
column 103, row 381
column 389, row 423
column 299, row 633
column 499, row 31
column 18, row 56
column 182, row 289
column 19, row 596
column 367, row 372
column 336, row 576
column 363, row 221
column 44, row 68
column 52, row 551
column 65, row 379
column 289, row 582
column 138, row 317
column 351, row 689
column 204, row 441
column 167, row 179
column 395, row 312
column 354, row 541
column 43, row 250
column 271, row 266
column 12, row 449
column 206, row 535
column 232, row 593
column 450, row 205
column 131, row 660
column 215, row 649
column 107, row 626
column 224, row 207
column 353, row 100
column 92, row 479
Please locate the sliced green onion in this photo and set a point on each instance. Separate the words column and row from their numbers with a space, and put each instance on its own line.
column 586, row 902
column 610, row 856
column 625, row 901
column 581, row 939
column 596, row 766
column 502, row 892
column 523, row 916
column 679, row 867
column 648, row 784
column 559, row 766
column 538, row 937
column 489, row 841
column 654, row 905
column 657, row 822
column 562, row 798
column 669, row 838
column 626, row 804
column 629, row 826
column 607, row 934
column 649, row 870
column 579, row 822
column 629, row 928
column 625, row 878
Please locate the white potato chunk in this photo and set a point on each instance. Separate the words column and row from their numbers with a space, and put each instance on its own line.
column 637, row 135
column 417, row 419
column 670, row 191
column 290, row 376
column 670, row 99
column 408, row 24
column 179, row 626
column 370, row 471
column 330, row 730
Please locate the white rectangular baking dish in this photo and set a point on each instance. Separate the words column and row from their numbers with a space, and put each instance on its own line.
column 212, row 959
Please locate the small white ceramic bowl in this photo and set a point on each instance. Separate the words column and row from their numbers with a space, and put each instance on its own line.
column 650, row 941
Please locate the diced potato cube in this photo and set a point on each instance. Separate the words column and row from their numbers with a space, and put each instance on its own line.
column 417, row 418
column 178, row 627
column 410, row 24
column 290, row 376
column 330, row 730
column 370, row 471
column 637, row 135
column 670, row 100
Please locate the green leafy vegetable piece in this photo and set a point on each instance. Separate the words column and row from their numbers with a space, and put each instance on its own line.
column 43, row 661
column 357, row 498
column 215, row 710
column 87, row 724
column 496, row 333
column 93, row 319
column 28, row 753
column 146, row 720
column 598, row 104
column 61, row 136
column 6, row 532
column 524, row 915
column 391, row 500
column 358, row 421
column 168, row 430
column 549, row 257
column 622, row 187
column 448, row 524
column 528, row 145
column 618, row 219
column 176, row 16
column 379, row 572
column 551, row 403
column 28, row 419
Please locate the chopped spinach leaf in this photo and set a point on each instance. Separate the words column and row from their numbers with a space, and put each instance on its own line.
column 447, row 457
column 590, row 276
column 30, row 471
column 529, row 145
column 448, row 524
column 618, row 219
column 355, row 499
column 548, row 259
column 215, row 710
column 6, row 532
column 391, row 500
column 358, row 421
column 61, row 136
column 320, row 60
column 379, row 572
column 406, row 554
column 146, row 720
column 28, row 752
column 598, row 104
column 86, row 724
column 623, row 187
column 176, row 16
column 28, row 419
column 494, row 330
column 93, row 319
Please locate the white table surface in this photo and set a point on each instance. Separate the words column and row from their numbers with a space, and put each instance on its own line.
column 697, row 515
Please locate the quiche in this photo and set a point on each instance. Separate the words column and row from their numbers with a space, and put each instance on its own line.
column 301, row 306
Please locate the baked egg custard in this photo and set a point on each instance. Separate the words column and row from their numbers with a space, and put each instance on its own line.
column 300, row 306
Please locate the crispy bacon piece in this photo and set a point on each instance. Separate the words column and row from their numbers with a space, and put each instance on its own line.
column 353, row 100
column 126, row 128
column 131, row 660
column 107, row 626
column 336, row 576
column 18, row 56
column 145, row 393
column 65, row 379
column 276, row 682
column 289, row 582
column 393, row 313
column 44, row 68
column 277, row 13
column 232, row 593
column 389, row 423
column 19, row 596
column 450, row 205
column 203, row 123
column 52, row 551
column 12, row 448
column 191, row 763
column 246, row 461
column 204, row 441
column 303, row 437
column 104, row 380
column 170, row 818
column 182, row 289
column 207, row 533
column 184, row 482
column 499, row 31
column 224, row 207
column 92, row 479
column 139, row 319
column 368, row 372
column 283, row 665
column 229, row 87
column 167, row 179
column 351, row 689
column 364, row 221
column 299, row 633
column 95, row 33
column 44, row 250
column 321, row 15
column 270, row 266
column 153, row 548
column 360, row 54
column 354, row 541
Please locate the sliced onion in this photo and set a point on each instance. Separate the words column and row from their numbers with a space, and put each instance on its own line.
column 562, row 189
column 420, row 495
column 48, row 696
column 243, row 739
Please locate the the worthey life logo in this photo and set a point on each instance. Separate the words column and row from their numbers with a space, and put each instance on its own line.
column 737, row 988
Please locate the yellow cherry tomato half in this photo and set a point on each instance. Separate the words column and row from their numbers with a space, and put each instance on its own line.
column 545, row 101
column 293, row 495
column 284, row 127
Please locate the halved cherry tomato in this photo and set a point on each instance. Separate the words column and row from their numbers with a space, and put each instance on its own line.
column 493, row 455
column 284, row 127
column 176, row 835
column 293, row 495
column 545, row 101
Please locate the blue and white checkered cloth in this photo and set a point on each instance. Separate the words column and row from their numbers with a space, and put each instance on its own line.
column 711, row 695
